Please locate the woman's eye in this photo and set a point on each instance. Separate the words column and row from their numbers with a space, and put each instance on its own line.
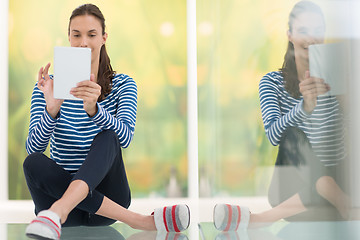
column 76, row 35
column 92, row 35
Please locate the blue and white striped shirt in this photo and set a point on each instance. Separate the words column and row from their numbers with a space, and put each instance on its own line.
column 323, row 127
column 73, row 131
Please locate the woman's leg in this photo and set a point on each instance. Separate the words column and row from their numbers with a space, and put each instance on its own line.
column 300, row 186
column 330, row 190
column 112, row 210
column 102, row 176
column 47, row 186
column 290, row 207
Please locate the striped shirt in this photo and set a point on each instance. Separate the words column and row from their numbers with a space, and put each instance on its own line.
column 73, row 131
column 323, row 127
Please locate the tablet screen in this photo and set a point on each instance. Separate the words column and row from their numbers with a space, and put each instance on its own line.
column 331, row 62
column 71, row 65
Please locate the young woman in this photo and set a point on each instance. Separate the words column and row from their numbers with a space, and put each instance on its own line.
column 307, row 126
column 84, row 181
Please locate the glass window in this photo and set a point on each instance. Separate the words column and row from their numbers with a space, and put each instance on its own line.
column 147, row 41
column 238, row 43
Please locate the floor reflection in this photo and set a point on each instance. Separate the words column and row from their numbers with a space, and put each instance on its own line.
column 157, row 236
column 117, row 231
column 100, row 233
column 110, row 233
column 289, row 231
column 278, row 231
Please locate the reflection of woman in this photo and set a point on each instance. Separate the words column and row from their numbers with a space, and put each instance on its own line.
column 84, row 182
column 307, row 126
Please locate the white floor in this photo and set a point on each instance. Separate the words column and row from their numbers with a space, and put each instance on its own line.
column 19, row 211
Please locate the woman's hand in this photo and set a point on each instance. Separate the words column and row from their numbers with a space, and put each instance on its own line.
column 46, row 85
column 311, row 88
column 89, row 91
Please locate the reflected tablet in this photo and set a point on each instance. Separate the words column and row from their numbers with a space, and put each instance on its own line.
column 331, row 62
column 71, row 65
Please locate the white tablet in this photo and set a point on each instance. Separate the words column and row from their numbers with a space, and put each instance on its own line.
column 71, row 65
column 331, row 62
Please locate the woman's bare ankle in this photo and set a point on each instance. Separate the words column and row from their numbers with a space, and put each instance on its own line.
column 142, row 222
column 258, row 220
column 56, row 208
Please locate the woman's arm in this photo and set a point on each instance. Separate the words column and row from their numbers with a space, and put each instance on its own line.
column 275, row 123
column 41, row 123
column 124, row 122
column 44, row 110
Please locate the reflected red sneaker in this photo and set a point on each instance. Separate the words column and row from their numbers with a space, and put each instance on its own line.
column 230, row 217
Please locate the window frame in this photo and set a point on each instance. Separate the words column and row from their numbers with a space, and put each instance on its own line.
column 4, row 91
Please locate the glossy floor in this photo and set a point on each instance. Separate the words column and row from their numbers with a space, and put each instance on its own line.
column 205, row 231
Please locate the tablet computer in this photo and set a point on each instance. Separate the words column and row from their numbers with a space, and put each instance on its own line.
column 331, row 62
column 71, row 65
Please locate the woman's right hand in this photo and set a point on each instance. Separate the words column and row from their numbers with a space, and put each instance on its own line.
column 311, row 88
column 46, row 85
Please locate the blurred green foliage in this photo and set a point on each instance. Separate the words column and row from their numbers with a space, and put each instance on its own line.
column 238, row 42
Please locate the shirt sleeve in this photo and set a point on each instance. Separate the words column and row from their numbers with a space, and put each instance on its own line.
column 274, row 122
column 41, row 125
column 124, row 121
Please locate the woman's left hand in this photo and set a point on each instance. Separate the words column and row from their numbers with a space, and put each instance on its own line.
column 89, row 91
column 311, row 88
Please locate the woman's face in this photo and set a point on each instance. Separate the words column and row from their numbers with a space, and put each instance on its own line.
column 307, row 29
column 86, row 31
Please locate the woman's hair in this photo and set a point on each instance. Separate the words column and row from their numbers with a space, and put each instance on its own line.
column 288, row 69
column 105, row 72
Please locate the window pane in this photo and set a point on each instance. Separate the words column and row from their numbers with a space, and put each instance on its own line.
column 147, row 41
column 238, row 42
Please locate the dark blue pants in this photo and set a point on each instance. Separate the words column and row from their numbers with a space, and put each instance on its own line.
column 103, row 170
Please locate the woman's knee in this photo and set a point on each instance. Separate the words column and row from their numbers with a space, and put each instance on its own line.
column 108, row 137
column 32, row 161
column 294, row 148
column 325, row 184
column 107, row 134
column 293, row 134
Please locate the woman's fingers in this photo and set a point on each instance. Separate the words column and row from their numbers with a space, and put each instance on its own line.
column 43, row 75
column 40, row 73
column 316, row 84
column 92, row 90
column 88, row 83
column 46, row 71
column 92, row 77
column 89, row 86
column 315, row 91
column 310, row 81
column 87, row 90
column 40, row 79
column 85, row 95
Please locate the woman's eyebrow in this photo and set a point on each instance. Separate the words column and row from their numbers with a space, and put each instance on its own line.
column 92, row 30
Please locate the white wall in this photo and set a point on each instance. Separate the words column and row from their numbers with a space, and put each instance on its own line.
column 4, row 6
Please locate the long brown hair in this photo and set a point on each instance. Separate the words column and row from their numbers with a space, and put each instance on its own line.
column 105, row 71
column 288, row 69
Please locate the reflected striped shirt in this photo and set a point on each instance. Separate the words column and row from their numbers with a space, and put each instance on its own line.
column 73, row 131
column 323, row 127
